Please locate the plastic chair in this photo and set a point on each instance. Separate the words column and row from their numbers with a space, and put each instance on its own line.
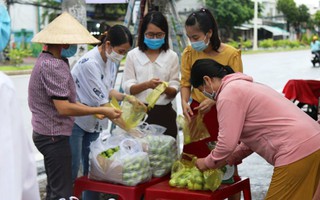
column 163, row 190
column 124, row 192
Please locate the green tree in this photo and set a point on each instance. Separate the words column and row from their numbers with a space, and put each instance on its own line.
column 289, row 10
column 298, row 17
column 303, row 19
column 317, row 18
column 230, row 13
column 109, row 12
column 51, row 9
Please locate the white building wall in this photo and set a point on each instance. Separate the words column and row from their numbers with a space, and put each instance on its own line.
column 24, row 17
column 187, row 5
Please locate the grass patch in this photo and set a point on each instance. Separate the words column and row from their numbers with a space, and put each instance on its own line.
column 273, row 50
column 15, row 68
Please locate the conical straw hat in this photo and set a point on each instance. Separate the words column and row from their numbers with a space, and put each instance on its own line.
column 64, row 29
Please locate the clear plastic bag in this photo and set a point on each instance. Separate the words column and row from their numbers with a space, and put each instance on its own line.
column 161, row 149
column 194, row 131
column 125, row 163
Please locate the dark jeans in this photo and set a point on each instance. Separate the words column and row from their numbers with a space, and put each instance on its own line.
column 57, row 162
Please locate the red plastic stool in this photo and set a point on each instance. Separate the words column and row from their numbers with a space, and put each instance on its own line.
column 124, row 192
column 163, row 191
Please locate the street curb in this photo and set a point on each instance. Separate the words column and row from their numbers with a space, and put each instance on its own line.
column 20, row 72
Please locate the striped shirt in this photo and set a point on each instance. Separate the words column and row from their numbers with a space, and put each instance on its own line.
column 50, row 79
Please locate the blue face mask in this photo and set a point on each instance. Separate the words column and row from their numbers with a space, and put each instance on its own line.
column 200, row 45
column 69, row 52
column 153, row 43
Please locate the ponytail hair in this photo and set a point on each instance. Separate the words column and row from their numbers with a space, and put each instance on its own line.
column 205, row 21
column 207, row 67
column 116, row 35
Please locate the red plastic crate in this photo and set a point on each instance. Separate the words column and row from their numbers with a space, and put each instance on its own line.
column 124, row 192
column 163, row 191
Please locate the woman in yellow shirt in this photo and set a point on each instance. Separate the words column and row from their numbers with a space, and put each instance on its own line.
column 202, row 31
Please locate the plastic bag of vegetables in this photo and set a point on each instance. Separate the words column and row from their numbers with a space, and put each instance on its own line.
column 185, row 174
column 119, row 159
column 161, row 149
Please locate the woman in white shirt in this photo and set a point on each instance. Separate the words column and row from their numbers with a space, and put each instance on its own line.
column 18, row 166
column 150, row 64
column 94, row 76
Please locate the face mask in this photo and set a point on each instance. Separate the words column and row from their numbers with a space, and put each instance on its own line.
column 153, row 43
column 209, row 95
column 114, row 56
column 69, row 52
column 200, row 45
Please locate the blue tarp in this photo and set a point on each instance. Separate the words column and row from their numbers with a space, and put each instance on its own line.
column 4, row 27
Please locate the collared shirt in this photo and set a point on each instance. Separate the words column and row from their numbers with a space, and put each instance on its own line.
column 50, row 79
column 228, row 56
column 94, row 79
column 139, row 68
column 18, row 167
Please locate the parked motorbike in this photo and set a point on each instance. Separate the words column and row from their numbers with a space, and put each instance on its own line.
column 315, row 58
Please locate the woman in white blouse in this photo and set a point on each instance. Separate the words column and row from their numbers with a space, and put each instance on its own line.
column 150, row 64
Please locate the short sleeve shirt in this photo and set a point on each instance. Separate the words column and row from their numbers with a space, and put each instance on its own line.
column 228, row 56
column 94, row 78
column 50, row 79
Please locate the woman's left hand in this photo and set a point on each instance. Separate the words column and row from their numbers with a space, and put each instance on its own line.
column 205, row 106
column 201, row 165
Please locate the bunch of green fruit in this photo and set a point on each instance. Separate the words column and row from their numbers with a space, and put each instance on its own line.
column 193, row 179
column 180, row 178
column 136, row 169
column 109, row 152
column 162, row 151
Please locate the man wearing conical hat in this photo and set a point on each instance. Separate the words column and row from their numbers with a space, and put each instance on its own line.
column 52, row 101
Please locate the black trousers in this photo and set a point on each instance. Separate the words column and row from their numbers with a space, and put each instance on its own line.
column 57, row 162
column 164, row 115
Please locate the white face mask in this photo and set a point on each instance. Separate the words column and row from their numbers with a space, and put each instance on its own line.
column 114, row 56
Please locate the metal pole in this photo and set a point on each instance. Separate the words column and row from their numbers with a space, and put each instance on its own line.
column 255, row 26
column 77, row 8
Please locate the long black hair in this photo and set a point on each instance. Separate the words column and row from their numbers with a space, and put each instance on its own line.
column 207, row 67
column 116, row 35
column 205, row 21
column 159, row 20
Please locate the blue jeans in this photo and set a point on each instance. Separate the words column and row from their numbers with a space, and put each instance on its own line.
column 80, row 148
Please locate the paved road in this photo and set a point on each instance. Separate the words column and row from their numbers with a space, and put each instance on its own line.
column 273, row 69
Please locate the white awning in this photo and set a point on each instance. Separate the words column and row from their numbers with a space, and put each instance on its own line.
column 276, row 31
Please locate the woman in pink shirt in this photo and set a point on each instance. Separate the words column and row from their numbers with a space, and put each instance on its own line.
column 265, row 122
